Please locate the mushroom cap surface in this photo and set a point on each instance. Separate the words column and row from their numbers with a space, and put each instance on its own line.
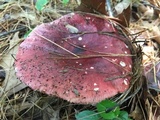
column 79, row 57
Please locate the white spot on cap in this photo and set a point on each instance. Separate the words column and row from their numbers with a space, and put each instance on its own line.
column 96, row 89
column 123, row 64
column 71, row 28
column 125, row 81
column 51, row 23
column 88, row 18
column 125, row 52
column 92, row 68
column 95, row 84
column 126, row 46
column 76, row 61
column 105, row 46
column 80, row 63
column 130, row 66
column 86, row 72
column 79, row 38
column 84, row 46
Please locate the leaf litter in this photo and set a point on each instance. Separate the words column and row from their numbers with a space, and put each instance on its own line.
column 17, row 101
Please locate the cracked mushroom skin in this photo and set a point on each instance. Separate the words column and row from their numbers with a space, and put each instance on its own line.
column 79, row 57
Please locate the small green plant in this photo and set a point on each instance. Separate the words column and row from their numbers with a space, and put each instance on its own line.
column 65, row 2
column 87, row 115
column 26, row 34
column 106, row 110
column 40, row 4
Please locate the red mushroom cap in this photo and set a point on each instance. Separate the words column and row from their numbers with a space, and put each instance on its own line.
column 79, row 57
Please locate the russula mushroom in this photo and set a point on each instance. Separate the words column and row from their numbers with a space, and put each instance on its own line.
column 79, row 57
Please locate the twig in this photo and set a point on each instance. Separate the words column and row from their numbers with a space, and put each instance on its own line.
column 109, row 8
column 56, row 44
column 91, row 56
column 150, row 5
column 12, row 31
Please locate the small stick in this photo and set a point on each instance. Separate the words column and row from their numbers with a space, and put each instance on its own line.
column 12, row 31
column 57, row 45
column 109, row 8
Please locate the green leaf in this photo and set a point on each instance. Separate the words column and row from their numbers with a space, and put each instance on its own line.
column 40, row 4
column 108, row 109
column 65, row 1
column 26, row 34
column 87, row 115
column 124, row 115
